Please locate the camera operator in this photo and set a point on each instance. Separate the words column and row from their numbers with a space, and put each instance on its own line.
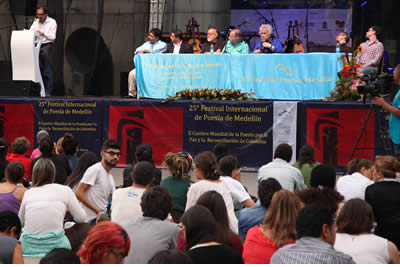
column 394, row 110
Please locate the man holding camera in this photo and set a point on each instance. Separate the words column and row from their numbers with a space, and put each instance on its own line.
column 394, row 110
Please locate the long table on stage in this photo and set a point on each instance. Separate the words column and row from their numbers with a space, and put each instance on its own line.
column 269, row 76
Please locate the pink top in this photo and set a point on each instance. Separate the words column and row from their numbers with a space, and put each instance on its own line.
column 35, row 153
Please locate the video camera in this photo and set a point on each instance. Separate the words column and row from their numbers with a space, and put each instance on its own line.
column 376, row 85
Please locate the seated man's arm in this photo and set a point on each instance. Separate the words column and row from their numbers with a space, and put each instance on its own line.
column 160, row 48
column 144, row 48
column 277, row 46
column 81, row 196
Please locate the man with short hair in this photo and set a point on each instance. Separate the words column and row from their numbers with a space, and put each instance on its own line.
column 253, row 216
column 288, row 176
column 316, row 234
column 236, row 44
column 371, row 51
column 47, row 28
column 177, row 45
column 97, row 184
column 213, row 41
column 150, row 233
column 342, row 39
column 125, row 207
column 153, row 46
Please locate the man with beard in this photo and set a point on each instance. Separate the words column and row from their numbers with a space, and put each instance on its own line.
column 213, row 40
column 97, row 184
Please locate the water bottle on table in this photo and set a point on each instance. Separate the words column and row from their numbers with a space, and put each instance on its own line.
column 212, row 49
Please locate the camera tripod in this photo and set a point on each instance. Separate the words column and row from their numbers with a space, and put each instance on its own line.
column 372, row 107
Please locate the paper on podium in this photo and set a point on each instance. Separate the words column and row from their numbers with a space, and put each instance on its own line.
column 25, row 57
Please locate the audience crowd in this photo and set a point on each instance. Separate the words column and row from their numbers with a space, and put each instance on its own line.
column 58, row 207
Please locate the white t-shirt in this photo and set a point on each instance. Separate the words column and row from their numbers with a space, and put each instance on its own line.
column 199, row 188
column 101, row 188
column 237, row 190
column 353, row 186
column 43, row 208
column 365, row 248
column 125, row 206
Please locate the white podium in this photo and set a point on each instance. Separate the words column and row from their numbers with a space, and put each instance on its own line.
column 25, row 57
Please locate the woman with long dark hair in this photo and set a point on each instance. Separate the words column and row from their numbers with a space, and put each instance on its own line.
column 200, row 232
column 86, row 160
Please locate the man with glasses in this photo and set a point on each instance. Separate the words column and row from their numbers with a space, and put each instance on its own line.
column 371, row 51
column 47, row 28
column 97, row 184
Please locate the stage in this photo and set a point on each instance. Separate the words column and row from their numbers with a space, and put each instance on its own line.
column 251, row 129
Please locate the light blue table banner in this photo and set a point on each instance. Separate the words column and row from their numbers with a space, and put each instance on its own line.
column 275, row 76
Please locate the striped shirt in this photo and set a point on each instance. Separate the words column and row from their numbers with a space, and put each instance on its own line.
column 310, row 250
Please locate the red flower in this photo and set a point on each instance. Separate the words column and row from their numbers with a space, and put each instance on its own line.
column 356, row 66
column 346, row 74
column 340, row 91
column 227, row 97
column 353, row 72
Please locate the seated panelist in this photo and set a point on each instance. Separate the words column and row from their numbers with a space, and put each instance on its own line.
column 268, row 44
column 177, row 45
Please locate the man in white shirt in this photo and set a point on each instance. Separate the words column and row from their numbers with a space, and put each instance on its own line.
column 288, row 176
column 230, row 175
column 97, row 184
column 47, row 28
column 177, row 45
column 125, row 207
column 153, row 46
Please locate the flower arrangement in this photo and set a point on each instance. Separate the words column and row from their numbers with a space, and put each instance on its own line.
column 211, row 94
column 349, row 79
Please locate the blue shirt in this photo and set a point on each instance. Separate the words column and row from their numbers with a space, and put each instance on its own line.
column 394, row 121
column 250, row 217
column 159, row 47
column 275, row 42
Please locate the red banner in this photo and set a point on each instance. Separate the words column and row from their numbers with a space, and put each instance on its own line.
column 17, row 120
column 333, row 134
column 161, row 128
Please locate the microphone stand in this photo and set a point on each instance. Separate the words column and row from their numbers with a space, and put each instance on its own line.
column 273, row 23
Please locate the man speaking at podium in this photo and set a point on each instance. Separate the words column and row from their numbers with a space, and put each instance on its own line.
column 47, row 28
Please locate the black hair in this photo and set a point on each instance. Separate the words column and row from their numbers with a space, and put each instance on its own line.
column 8, row 220
column 323, row 176
column 310, row 220
column 220, row 150
column 178, row 33
column 200, row 226
column 3, row 148
column 60, row 256
column 15, row 172
column 46, row 146
column 214, row 202
column 144, row 152
column 69, row 144
column 378, row 31
column 156, row 32
column 156, row 202
column 85, row 161
column 326, row 197
column 110, row 143
column 267, row 189
column 227, row 165
column 143, row 173
column 283, row 151
column 171, row 256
